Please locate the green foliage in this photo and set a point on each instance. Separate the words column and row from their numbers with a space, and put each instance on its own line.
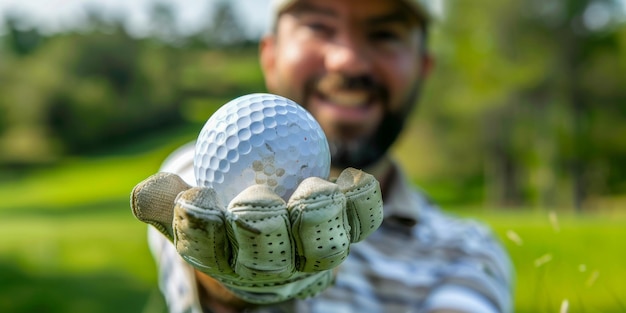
column 225, row 30
column 21, row 40
column 77, row 92
column 527, row 94
column 116, row 89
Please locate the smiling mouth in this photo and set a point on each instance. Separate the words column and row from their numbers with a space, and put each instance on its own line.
column 336, row 90
column 347, row 99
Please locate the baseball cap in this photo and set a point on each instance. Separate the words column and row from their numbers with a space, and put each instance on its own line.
column 423, row 9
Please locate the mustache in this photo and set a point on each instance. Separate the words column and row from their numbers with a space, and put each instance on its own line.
column 341, row 82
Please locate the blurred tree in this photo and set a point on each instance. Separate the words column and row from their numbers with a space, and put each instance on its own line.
column 541, row 77
column 82, row 91
column 224, row 28
column 21, row 38
column 113, row 94
column 163, row 23
column 582, row 34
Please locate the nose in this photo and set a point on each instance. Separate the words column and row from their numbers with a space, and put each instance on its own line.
column 347, row 56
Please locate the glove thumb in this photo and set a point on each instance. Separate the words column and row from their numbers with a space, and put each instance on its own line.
column 152, row 201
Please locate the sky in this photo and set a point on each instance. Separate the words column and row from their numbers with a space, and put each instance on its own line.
column 56, row 15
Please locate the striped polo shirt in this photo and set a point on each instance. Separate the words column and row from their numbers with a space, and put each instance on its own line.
column 420, row 259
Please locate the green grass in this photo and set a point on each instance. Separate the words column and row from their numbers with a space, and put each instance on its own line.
column 71, row 244
column 578, row 259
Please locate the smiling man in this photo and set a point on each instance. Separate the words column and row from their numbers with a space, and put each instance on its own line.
column 358, row 67
column 355, row 65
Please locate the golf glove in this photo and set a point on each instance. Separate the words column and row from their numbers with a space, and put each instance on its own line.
column 265, row 250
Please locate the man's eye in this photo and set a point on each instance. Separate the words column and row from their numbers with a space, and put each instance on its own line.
column 319, row 28
column 384, row 35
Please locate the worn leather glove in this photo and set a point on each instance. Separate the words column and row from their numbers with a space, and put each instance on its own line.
column 264, row 249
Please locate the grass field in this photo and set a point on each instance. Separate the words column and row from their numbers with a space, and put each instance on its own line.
column 70, row 243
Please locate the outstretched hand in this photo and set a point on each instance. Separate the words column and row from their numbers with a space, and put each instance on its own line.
column 262, row 248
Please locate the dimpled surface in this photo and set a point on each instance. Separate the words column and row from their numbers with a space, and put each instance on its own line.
column 260, row 139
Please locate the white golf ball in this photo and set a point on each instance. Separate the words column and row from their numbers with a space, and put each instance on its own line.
column 260, row 139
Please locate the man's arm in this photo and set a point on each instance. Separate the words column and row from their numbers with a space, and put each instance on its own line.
column 216, row 297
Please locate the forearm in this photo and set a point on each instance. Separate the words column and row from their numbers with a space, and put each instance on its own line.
column 216, row 297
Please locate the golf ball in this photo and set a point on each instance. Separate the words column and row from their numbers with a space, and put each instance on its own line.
column 260, row 139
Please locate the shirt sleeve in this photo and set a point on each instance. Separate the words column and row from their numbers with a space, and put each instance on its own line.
column 459, row 298
column 479, row 275
column 176, row 278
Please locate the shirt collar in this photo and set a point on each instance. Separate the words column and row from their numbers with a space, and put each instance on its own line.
column 402, row 199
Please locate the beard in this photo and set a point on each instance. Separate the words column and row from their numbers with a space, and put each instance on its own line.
column 366, row 151
column 351, row 149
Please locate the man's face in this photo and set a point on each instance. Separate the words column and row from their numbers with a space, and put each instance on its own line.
column 356, row 65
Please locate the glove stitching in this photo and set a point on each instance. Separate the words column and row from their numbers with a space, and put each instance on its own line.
column 335, row 198
column 213, row 236
column 273, row 207
column 356, row 213
column 237, row 280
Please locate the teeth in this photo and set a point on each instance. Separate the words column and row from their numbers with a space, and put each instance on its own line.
column 348, row 99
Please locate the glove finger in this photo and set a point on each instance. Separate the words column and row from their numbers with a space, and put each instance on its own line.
column 260, row 235
column 364, row 204
column 152, row 201
column 200, row 233
column 319, row 225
